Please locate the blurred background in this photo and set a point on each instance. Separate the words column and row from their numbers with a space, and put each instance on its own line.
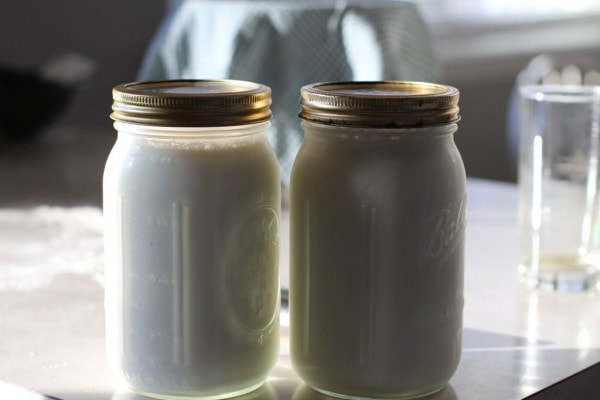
column 59, row 61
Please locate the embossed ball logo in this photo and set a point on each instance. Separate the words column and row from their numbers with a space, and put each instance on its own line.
column 446, row 230
column 252, row 267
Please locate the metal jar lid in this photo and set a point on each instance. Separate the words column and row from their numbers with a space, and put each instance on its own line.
column 386, row 104
column 192, row 103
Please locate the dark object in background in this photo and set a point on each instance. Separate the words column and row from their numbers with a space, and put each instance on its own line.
column 32, row 99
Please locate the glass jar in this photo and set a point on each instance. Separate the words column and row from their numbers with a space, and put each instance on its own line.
column 377, row 223
column 191, row 207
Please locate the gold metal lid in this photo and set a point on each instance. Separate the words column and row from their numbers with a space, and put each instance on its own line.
column 386, row 104
column 200, row 103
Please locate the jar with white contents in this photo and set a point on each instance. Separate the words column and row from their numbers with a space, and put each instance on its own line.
column 377, row 223
column 191, row 208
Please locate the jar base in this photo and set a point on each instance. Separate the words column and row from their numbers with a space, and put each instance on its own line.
column 405, row 397
column 228, row 395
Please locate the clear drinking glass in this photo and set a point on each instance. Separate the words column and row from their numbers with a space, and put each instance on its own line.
column 559, row 225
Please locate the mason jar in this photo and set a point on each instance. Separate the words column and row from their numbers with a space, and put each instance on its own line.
column 191, row 208
column 377, row 223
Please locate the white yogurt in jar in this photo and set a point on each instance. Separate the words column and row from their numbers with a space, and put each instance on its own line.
column 191, row 243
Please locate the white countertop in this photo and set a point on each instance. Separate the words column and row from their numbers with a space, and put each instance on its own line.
column 517, row 341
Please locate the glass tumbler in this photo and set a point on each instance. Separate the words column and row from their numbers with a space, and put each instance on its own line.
column 559, row 225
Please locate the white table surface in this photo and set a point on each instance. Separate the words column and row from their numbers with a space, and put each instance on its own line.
column 517, row 341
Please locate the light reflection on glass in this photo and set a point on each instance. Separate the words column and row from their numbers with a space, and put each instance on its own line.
column 590, row 239
column 536, row 207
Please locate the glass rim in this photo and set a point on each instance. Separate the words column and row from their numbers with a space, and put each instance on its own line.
column 561, row 93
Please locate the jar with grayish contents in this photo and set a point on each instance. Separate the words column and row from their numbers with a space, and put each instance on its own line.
column 377, row 215
column 191, row 204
